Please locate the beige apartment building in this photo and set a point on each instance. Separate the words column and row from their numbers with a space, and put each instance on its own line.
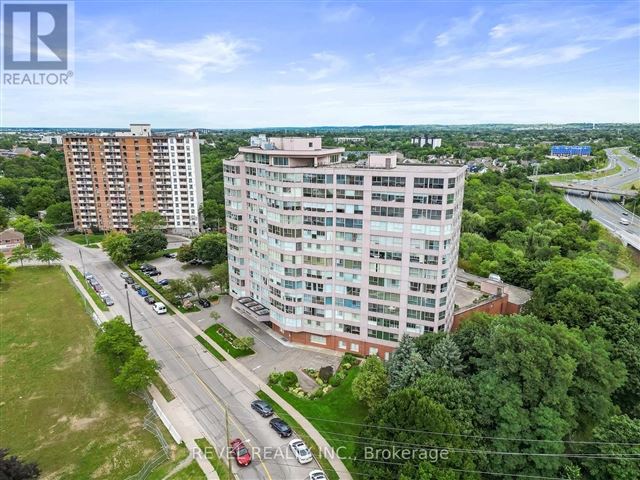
column 116, row 175
column 347, row 256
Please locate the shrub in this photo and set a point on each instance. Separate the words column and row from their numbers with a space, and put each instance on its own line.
column 274, row 378
column 289, row 379
column 214, row 298
column 336, row 380
column 325, row 373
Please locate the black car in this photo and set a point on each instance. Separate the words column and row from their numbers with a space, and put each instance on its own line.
column 129, row 280
column 153, row 273
column 135, row 286
column 262, row 407
column 150, row 300
column 281, row 427
column 170, row 255
column 146, row 266
column 204, row 303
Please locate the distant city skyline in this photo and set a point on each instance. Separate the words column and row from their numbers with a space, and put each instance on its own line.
column 258, row 65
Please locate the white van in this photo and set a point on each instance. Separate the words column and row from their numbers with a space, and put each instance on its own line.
column 159, row 308
column 624, row 221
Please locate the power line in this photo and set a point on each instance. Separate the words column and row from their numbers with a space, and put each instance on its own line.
column 513, row 439
column 381, row 442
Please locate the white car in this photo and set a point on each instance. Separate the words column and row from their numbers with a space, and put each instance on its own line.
column 300, row 450
column 124, row 275
column 159, row 308
column 317, row 475
column 624, row 221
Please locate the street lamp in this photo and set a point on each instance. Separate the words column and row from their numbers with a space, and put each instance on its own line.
column 126, row 289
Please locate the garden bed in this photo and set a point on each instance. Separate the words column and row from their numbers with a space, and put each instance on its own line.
column 223, row 337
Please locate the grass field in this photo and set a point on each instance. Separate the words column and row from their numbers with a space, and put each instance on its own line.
column 219, row 464
column 212, row 333
column 339, row 405
column 582, row 175
column 212, row 350
column 59, row 405
column 92, row 293
column 626, row 159
column 88, row 239
column 191, row 472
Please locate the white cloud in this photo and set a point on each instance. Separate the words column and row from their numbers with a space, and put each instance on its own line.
column 322, row 65
column 218, row 53
column 460, row 28
column 331, row 14
column 414, row 35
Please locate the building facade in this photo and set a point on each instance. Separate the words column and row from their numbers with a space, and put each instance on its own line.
column 347, row 256
column 570, row 150
column 112, row 177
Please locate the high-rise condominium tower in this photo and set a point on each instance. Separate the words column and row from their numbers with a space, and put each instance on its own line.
column 348, row 256
column 114, row 176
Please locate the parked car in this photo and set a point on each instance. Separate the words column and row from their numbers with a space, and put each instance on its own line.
column 164, row 282
column 203, row 302
column 129, row 281
column 150, row 300
column 143, row 292
column 108, row 301
column 262, row 407
column 170, row 255
column 92, row 281
column 159, row 308
column 98, row 288
column 300, row 451
column 145, row 267
column 124, row 275
column 153, row 273
column 135, row 286
column 196, row 261
column 240, row 453
column 281, row 427
column 317, row 475
column 88, row 275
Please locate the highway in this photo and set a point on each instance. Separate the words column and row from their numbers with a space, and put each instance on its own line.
column 606, row 211
column 203, row 383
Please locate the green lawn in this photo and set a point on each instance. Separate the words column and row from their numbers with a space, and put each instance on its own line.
column 59, row 406
column 212, row 350
column 191, row 472
column 567, row 177
column 626, row 159
column 219, row 464
column 212, row 333
column 92, row 293
column 164, row 389
column 338, row 405
column 82, row 239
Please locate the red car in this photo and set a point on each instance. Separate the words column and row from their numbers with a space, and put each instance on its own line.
column 240, row 452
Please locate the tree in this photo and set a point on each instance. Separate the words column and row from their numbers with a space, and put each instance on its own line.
column 406, row 364
column 178, row 288
column 244, row 343
column 9, row 193
column 213, row 214
column 118, row 247
column 4, row 218
column 138, row 371
column 46, row 253
column 35, row 232
column 20, row 254
column 59, row 213
column 618, row 430
column 185, row 253
column 220, row 275
column 445, row 356
column 215, row 316
column 371, row 385
column 38, row 198
column 5, row 269
column 145, row 221
column 199, row 282
column 146, row 242
column 116, row 340
column 12, row 468
column 210, row 247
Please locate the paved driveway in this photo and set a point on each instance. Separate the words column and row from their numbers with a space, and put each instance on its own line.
column 271, row 354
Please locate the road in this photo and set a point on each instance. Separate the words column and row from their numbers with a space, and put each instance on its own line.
column 605, row 211
column 203, row 384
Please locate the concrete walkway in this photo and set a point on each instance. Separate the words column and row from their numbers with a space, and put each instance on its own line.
column 254, row 381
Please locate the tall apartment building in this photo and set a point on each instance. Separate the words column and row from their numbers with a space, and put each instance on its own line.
column 347, row 256
column 114, row 176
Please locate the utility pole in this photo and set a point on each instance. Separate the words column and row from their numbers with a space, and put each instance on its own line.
column 226, row 419
column 126, row 289
column 82, row 260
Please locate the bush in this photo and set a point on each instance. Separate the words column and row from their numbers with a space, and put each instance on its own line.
column 336, row 380
column 214, row 298
column 325, row 373
column 288, row 380
column 274, row 378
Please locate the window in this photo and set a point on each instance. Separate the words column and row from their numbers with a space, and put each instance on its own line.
column 380, row 335
column 319, row 339
column 388, row 181
column 355, row 347
column 387, row 197
column 280, row 161
column 350, row 194
column 428, row 199
column 451, row 183
column 350, row 180
column 342, row 344
column 383, row 322
column 348, row 222
column 435, row 183
column 418, row 315
column 349, row 264
column 384, row 255
column 373, row 351
column 387, row 211
column 449, row 214
column 317, row 178
column 426, row 213
column 450, row 198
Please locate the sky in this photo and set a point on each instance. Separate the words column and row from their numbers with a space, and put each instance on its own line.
column 248, row 64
